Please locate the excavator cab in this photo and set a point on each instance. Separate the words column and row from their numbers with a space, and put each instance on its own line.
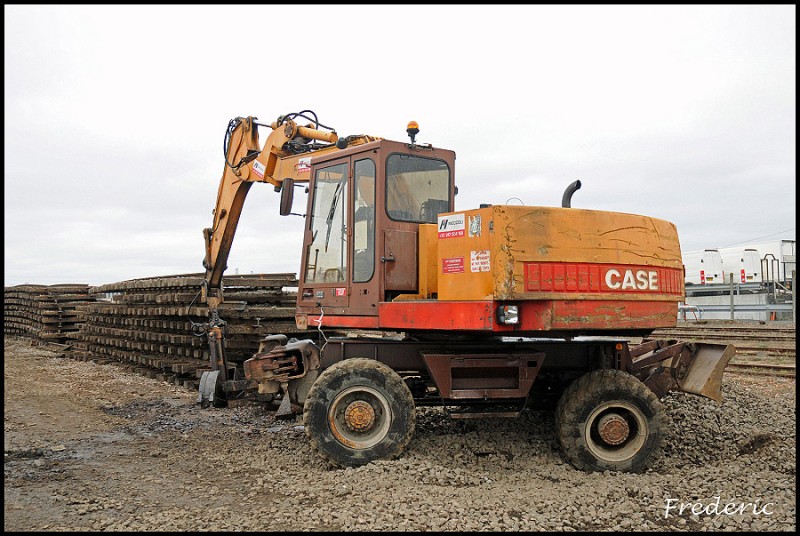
column 365, row 206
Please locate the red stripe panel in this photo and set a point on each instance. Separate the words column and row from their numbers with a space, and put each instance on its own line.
column 466, row 315
column 362, row 322
column 535, row 315
column 611, row 278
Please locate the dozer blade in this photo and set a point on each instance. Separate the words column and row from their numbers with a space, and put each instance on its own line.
column 691, row 367
column 704, row 376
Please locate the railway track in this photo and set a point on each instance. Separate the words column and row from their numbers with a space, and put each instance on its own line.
column 762, row 348
column 762, row 369
column 771, row 340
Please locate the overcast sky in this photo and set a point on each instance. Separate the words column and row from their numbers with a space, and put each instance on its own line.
column 115, row 118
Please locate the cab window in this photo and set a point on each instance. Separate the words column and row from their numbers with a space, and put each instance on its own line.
column 417, row 188
column 364, row 221
column 327, row 254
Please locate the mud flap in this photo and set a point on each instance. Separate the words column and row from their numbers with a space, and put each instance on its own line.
column 691, row 367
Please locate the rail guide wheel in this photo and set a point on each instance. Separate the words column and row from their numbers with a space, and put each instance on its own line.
column 357, row 411
column 210, row 391
column 607, row 420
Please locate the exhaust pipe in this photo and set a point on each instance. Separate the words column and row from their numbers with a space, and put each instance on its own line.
column 566, row 200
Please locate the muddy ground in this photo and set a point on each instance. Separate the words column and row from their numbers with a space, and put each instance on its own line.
column 93, row 447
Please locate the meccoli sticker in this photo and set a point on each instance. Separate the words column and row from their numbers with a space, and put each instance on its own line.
column 451, row 226
column 258, row 168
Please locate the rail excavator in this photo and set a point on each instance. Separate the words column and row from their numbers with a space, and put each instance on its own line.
column 485, row 312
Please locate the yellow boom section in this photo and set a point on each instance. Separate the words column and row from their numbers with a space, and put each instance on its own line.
column 286, row 154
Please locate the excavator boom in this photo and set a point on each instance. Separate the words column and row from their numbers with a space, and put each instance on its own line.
column 285, row 157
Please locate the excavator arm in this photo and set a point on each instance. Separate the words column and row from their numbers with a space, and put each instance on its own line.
column 285, row 156
column 245, row 163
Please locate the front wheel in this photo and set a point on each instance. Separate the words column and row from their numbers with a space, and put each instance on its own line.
column 359, row 410
column 609, row 420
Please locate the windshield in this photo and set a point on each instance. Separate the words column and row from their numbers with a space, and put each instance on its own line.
column 417, row 189
column 327, row 254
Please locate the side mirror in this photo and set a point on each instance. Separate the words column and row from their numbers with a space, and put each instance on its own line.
column 287, row 195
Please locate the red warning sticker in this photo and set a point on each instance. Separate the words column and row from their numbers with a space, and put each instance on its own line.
column 453, row 265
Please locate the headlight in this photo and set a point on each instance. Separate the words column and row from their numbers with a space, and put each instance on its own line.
column 508, row 314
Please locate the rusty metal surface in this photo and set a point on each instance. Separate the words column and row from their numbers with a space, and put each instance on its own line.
column 274, row 365
column 704, row 376
column 483, row 376
column 283, row 369
column 660, row 380
column 695, row 368
column 613, row 429
column 656, row 353
column 283, row 362
column 359, row 417
column 483, row 415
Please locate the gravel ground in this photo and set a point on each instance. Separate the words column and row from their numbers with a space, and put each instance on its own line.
column 92, row 447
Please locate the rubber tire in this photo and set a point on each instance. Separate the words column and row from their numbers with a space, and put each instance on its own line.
column 359, row 372
column 590, row 392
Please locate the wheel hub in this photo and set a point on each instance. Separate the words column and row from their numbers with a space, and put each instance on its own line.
column 359, row 416
column 613, row 429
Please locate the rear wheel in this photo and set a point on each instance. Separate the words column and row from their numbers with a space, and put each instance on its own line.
column 359, row 410
column 609, row 420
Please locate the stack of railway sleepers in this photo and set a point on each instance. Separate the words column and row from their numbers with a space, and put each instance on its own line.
column 49, row 313
column 151, row 324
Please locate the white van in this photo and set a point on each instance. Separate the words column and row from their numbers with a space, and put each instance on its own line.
column 743, row 263
column 703, row 267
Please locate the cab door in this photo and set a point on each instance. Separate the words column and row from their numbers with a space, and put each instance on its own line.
column 339, row 258
column 326, row 256
column 365, row 284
